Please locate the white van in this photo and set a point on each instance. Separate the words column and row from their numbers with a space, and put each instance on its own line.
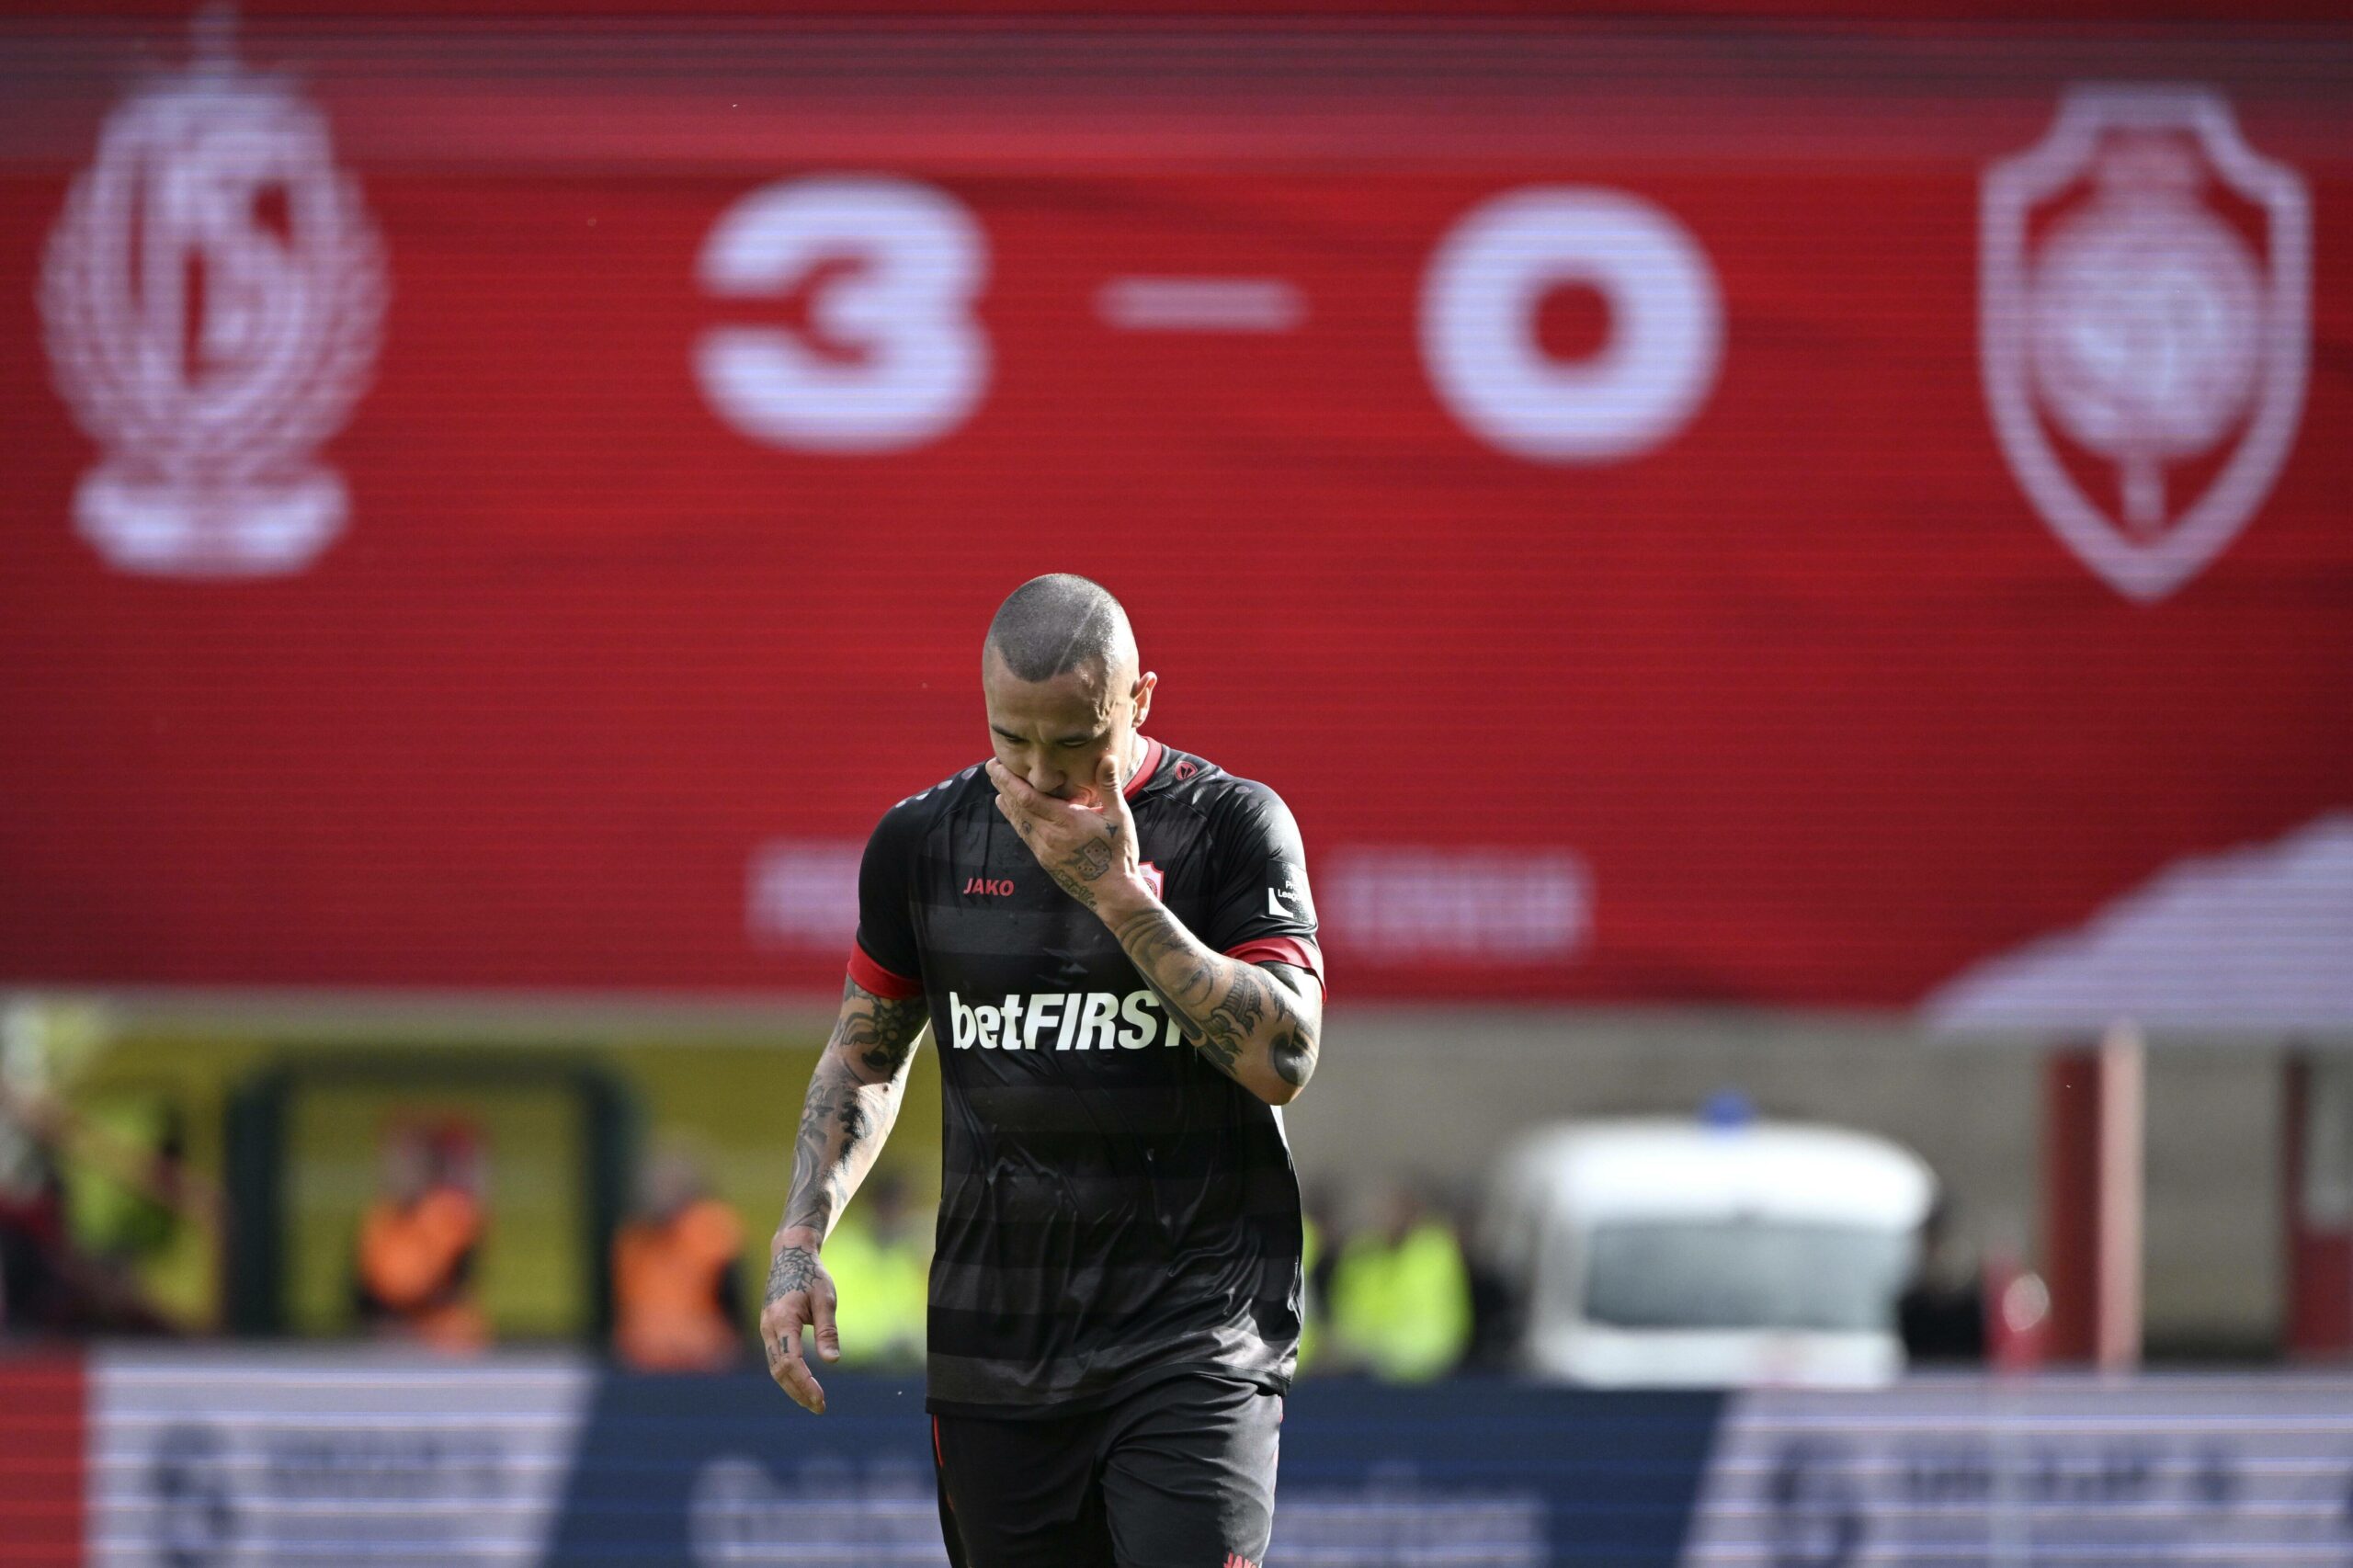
column 1724, row 1254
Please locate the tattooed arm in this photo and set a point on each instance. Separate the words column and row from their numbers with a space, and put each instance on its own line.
column 1260, row 1026
column 853, row 1099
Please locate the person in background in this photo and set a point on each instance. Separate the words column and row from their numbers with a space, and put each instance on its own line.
column 1401, row 1294
column 1495, row 1314
column 677, row 1274
column 880, row 1247
column 413, row 1275
column 1317, row 1232
column 50, row 1282
column 36, row 1286
column 1942, row 1314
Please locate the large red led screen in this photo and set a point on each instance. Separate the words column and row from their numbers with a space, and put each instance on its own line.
column 1786, row 524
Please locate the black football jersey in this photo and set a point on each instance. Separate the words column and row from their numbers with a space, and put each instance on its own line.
column 1113, row 1209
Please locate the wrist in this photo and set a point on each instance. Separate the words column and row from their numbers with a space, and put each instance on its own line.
column 1119, row 897
column 797, row 1236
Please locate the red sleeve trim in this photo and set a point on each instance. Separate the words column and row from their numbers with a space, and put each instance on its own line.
column 1297, row 952
column 873, row 977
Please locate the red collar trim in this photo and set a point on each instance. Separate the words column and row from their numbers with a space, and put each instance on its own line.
column 1151, row 750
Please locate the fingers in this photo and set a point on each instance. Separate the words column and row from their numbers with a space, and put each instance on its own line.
column 781, row 1332
column 829, row 1334
column 1017, row 794
column 1011, row 786
column 1028, row 807
column 1013, row 814
column 1016, row 800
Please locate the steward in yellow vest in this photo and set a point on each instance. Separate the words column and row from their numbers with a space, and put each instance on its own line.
column 880, row 1256
column 1401, row 1297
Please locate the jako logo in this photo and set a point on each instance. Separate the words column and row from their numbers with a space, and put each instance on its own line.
column 996, row 887
column 1072, row 1020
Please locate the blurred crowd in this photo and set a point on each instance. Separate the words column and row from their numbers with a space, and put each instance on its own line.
column 1393, row 1296
column 1392, row 1290
column 85, row 1197
column 90, row 1196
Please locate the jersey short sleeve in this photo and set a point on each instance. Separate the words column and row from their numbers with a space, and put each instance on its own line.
column 1261, row 911
column 883, row 958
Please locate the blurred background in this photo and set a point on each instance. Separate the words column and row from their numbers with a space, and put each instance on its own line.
column 1793, row 561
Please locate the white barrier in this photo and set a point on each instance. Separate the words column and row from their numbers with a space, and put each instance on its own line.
column 334, row 1456
column 2236, row 1470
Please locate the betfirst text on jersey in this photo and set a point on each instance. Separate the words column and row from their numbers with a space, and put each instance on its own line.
column 1061, row 1020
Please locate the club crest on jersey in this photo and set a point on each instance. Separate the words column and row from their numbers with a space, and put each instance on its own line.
column 1151, row 877
column 213, row 295
column 2144, row 327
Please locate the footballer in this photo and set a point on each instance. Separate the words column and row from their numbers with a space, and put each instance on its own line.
column 1113, row 943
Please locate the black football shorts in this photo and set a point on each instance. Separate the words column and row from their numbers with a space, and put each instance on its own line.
column 1179, row 1475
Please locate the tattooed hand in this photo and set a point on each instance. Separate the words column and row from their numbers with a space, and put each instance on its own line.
column 853, row 1099
column 800, row 1295
column 1090, row 851
column 1259, row 1030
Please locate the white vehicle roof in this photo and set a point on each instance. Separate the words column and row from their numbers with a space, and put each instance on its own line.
column 1644, row 1168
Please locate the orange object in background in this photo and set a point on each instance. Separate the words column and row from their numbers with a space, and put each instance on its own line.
column 416, row 1247
column 674, row 1285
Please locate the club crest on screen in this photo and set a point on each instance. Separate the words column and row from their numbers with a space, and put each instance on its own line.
column 213, row 295
column 2145, row 283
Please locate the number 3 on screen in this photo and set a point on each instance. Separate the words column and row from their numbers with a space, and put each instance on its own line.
column 911, row 362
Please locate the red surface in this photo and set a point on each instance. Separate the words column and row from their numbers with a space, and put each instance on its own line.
column 2319, row 1273
column 1346, row 13
column 42, row 1448
column 1282, row 949
column 2071, row 1097
column 1823, row 705
column 881, row 981
column 2319, row 1256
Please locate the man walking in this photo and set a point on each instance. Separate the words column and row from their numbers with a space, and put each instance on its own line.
column 1115, row 945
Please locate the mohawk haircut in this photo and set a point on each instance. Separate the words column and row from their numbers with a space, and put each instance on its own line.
column 1053, row 624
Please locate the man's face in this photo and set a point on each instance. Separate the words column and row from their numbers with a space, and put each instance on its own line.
column 1055, row 734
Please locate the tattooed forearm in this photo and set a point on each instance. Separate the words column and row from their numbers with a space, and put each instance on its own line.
column 879, row 1030
column 1294, row 1048
column 1252, row 1027
column 1172, row 963
column 1294, row 1054
column 1233, row 1017
column 853, row 1099
column 828, row 1156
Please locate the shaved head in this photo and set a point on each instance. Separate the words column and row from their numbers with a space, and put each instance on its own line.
column 1053, row 625
column 1063, row 687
